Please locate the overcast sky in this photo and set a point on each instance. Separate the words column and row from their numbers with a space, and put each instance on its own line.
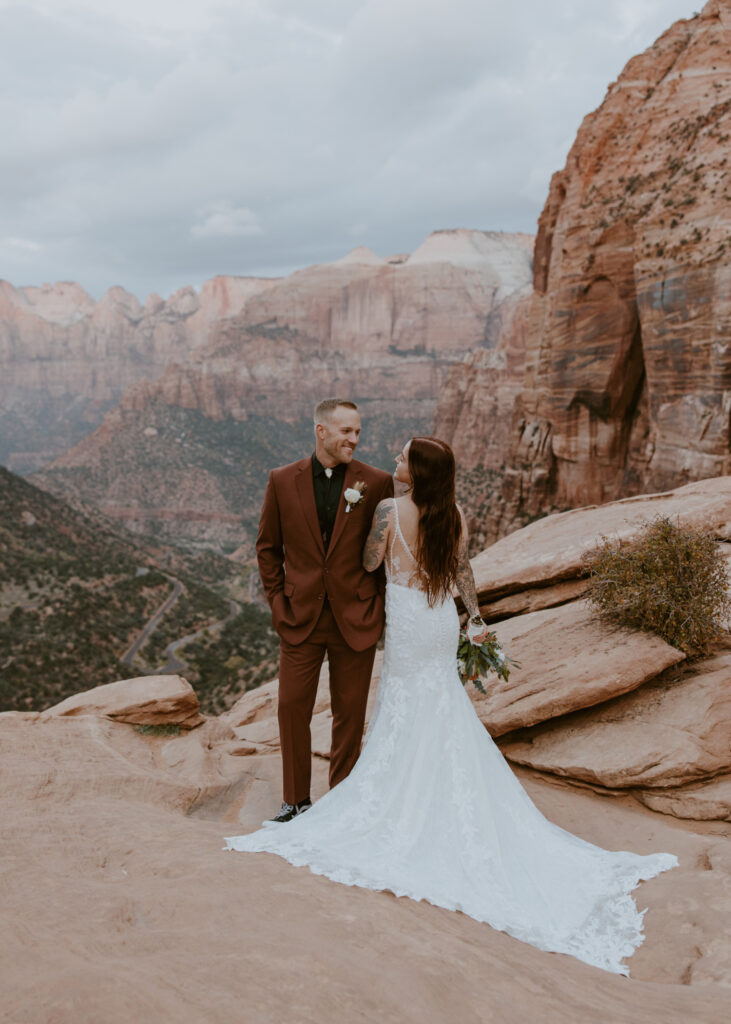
column 156, row 143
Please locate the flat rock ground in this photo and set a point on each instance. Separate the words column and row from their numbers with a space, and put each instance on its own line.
column 119, row 905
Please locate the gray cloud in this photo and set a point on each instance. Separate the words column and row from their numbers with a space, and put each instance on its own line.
column 159, row 142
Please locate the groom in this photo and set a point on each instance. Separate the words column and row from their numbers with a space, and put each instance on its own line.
column 314, row 522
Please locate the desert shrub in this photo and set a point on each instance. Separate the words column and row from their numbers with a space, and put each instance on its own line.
column 671, row 580
column 161, row 729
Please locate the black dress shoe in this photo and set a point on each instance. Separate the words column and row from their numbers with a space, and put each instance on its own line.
column 290, row 811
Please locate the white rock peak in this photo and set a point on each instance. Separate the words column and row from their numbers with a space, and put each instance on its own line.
column 361, row 254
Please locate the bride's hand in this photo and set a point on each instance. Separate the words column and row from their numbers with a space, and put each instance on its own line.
column 476, row 631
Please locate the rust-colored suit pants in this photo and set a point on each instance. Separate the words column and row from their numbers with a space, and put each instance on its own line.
column 299, row 671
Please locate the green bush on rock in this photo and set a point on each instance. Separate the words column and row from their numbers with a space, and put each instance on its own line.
column 670, row 580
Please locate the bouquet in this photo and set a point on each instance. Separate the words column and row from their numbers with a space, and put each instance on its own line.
column 474, row 661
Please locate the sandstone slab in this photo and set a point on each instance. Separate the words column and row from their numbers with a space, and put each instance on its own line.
column 146, row 700
column 247, row 934
column 702, row 801
column 568, row 660
column 533, row 599
column 253, row 705
column 264, row 731
column 670, row 732
column 553, row 548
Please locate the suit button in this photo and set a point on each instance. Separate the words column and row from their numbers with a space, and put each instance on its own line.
column 320, row 597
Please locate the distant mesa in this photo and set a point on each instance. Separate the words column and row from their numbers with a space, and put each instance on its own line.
column 223, row 411
column 63, row 303
column 66, row 359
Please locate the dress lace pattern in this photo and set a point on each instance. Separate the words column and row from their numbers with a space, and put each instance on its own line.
column 432, row 810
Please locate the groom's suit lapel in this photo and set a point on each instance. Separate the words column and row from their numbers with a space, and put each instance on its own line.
column 306, row 492
column 351, row 475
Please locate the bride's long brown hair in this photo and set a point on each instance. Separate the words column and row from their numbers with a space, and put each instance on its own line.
column 433, row 472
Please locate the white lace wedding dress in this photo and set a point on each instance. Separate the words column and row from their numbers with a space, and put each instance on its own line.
column 432, row 810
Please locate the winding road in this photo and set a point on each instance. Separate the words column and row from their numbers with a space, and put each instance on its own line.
column 152, row 623
column 172, row 663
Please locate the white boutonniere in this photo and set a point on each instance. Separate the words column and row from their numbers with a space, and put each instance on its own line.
column 354, row 494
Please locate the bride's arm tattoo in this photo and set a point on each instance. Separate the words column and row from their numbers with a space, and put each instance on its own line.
column 375, row 545
column 466, row 586
column 465, row 579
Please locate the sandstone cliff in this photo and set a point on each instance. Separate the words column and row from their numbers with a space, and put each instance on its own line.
column 67, row 359
column 626, row 385
column 187, row 455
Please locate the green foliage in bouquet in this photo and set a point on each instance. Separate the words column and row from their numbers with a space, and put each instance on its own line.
column 671, row 580
column 475, row 661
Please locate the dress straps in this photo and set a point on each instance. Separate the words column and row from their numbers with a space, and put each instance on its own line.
column 393, row 538
column 399, row 534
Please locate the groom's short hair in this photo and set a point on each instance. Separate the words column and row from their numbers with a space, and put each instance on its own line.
column 325, row 408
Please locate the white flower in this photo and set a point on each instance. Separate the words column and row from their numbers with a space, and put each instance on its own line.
column 355, row 494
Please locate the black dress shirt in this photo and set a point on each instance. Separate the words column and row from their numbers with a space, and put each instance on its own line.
column 327, row 495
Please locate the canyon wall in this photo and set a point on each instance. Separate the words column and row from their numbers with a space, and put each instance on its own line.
column 625, row 384
column 186, row 456
column 66, row 360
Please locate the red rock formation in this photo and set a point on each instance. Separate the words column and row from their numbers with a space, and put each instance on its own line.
column 188, row 453
column 669, row 741
column 627, row 380
column 359, row 317
column 66, row 359
column 147, row 700
column 475, row 413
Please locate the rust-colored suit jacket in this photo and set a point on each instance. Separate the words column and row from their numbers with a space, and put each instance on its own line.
column 296, row 572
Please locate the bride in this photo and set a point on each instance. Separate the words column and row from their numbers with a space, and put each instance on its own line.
column 431, row 809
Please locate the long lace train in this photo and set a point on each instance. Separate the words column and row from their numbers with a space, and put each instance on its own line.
column 433, row 811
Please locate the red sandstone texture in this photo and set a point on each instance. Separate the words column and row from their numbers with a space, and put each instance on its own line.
column 362, row 326
column 188, row 454
column 626, row 381
column 67, row 359
column 128, row 887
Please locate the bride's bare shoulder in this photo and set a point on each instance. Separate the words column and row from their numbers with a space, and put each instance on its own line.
column 405, row 503
column 385, row 506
